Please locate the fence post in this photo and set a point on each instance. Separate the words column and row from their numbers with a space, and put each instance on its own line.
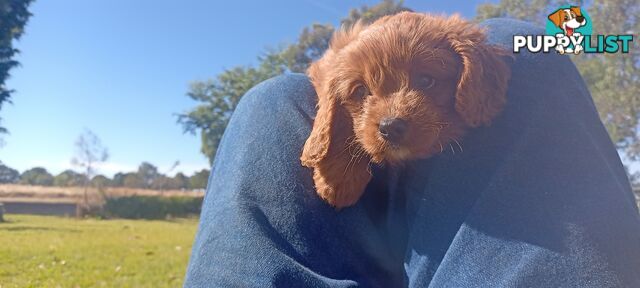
column 1, row 212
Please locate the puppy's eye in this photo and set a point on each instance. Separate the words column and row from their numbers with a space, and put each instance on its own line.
column 361, row 92
column 425, row 82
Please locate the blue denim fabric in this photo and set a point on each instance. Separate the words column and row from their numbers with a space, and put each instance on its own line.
column 539, row 199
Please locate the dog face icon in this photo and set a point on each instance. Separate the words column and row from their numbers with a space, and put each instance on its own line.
column 568, row 19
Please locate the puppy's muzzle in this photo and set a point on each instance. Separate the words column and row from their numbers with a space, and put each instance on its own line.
column 392, row 129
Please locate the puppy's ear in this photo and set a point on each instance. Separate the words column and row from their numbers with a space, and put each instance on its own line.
column 482, row 86
column 557, row 17
column 340, row 168
column 329, row 113
column 328, row 127
column 340, row 171
column 576, row 9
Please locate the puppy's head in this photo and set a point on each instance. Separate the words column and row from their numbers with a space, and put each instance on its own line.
column 568, row 19
column 405, row 87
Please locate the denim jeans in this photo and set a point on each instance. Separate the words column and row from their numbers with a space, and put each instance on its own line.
column 539, row 199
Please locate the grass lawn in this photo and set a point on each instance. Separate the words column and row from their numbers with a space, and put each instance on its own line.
column 46, row 251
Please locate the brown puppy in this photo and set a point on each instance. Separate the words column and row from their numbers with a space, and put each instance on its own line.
column 402, row 88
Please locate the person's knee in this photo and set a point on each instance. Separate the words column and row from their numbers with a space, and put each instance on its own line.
column 502, row 30
column 281, row 93
column 278, row 112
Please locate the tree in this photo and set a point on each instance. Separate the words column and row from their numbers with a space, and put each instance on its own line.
column 163, row 182
column 69, row 178
column 181, row 181
column 14, row 15
column 36, row 176
column 147, row 173
column 368, row 14
column 530, row 10
column 199, row 179
column 89, row 152
column 100, row 181
column 220, row 96
column 8, row 175
column 118, row 179
column 132, row 180
column 614, row 80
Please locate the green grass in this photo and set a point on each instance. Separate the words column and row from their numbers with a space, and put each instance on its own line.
column 45, row 251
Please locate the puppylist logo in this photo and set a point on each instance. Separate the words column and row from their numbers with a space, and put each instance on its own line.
column 569, row 31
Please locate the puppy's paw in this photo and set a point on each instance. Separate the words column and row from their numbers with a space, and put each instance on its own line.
column 578, row 49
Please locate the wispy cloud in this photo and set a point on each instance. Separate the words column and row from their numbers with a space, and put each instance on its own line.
column 323, row 6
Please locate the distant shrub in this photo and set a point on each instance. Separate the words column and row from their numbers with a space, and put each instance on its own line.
column 36, row 176
column 151, row 207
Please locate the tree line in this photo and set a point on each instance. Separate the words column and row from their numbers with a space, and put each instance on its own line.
column 146, row 177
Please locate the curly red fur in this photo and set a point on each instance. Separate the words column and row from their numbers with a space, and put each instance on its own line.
column 387, row 58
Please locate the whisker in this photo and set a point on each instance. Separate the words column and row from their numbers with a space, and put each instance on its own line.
column 348, row 144
column 461, row 150
column 346, row 168
column 359, row 153
column 352, row 153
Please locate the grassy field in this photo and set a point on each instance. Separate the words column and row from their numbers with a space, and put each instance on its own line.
column 46, row 251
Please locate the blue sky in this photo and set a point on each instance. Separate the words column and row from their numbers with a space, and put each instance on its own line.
column 122, row 67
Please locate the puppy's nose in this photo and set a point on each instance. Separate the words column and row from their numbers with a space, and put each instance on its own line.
column 392, row 129
column 579, row 19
